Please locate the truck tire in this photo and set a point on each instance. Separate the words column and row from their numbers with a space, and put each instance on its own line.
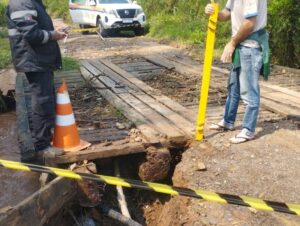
column 139, row 31
column 24, row 119
column 104, row 32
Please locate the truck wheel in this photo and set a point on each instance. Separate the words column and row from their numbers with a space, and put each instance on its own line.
column 82, row 26
column 139, row 31
column 104, row 32
column 24, row 119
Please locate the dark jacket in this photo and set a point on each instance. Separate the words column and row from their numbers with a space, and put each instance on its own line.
column 29, row 29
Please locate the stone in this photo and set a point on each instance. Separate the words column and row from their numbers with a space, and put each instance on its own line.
column 201, row 166
column 138, row 139
column 120, row 126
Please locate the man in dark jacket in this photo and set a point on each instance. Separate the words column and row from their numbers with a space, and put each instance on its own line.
column 35, row 52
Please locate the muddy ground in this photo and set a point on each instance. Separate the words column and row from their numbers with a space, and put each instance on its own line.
column 267, row 167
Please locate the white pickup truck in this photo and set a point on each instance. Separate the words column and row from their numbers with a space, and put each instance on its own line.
column 110, row 16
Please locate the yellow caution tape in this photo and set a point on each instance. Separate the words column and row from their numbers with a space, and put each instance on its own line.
column 210, row 42
column 84, row 30
column 255, row 203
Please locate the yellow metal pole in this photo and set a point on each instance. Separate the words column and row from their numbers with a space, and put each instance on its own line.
column 210, row 42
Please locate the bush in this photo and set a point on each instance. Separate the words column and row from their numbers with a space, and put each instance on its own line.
column 284, row 27
column 185, row 21
column 182, row 21
column 3, row 4
column 5, row 57
column 58, row 8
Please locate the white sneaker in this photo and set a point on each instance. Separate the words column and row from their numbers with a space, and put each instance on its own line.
column 243, row 136
column 222, row 125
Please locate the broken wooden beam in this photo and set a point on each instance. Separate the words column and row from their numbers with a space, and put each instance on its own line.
column 38, row 208
column 100, row 151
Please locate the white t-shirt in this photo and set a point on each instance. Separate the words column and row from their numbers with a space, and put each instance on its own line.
column 244, row 9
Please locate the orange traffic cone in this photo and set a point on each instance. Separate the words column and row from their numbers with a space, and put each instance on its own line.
column 66, row 135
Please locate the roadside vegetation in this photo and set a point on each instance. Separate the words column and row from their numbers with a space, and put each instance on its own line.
column 185, row 22
column 5, row 58
column 58, row 9
column 70, row 64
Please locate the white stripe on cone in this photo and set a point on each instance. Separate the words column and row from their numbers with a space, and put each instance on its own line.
column 65, row 120
column 62, row 98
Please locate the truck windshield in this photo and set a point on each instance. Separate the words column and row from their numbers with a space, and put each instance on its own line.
column 113, row 1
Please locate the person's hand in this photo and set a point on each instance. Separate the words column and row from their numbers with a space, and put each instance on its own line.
column 64, row 29
column 58, row 35
column 209, row 9
column 227, row 53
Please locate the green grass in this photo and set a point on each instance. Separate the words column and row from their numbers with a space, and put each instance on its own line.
column 177, row 28
column 5, row 56
column 70, row 64
column 3, row 4
column 184, row 30
column 117, row 112
column 58, row 9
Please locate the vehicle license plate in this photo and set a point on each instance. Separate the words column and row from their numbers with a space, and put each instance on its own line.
column 127, row 21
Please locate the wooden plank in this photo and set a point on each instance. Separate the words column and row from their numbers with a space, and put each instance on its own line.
column 165, row 126
column 112, row 74
column 99, row 152
column 67, row 72
column 178, row 120
column 189, row 66
column 281, row 89
column 67, row 77
column 283, row 98
column 68, row 81
column 85, row 73
column 189, row 115
column 278, row 108
column 135, row 64
column 152, row 72
column 102, row 135
column 270, row 102
column 180, row 67
column 160, row 61
column 90, row 68
column 38, row 208
column 113, row 84
column 139, row 68
column 147, row 129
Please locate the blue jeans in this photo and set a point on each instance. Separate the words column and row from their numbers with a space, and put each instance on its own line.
column 243, row 84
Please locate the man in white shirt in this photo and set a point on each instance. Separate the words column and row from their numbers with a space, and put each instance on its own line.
column 248, row 19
